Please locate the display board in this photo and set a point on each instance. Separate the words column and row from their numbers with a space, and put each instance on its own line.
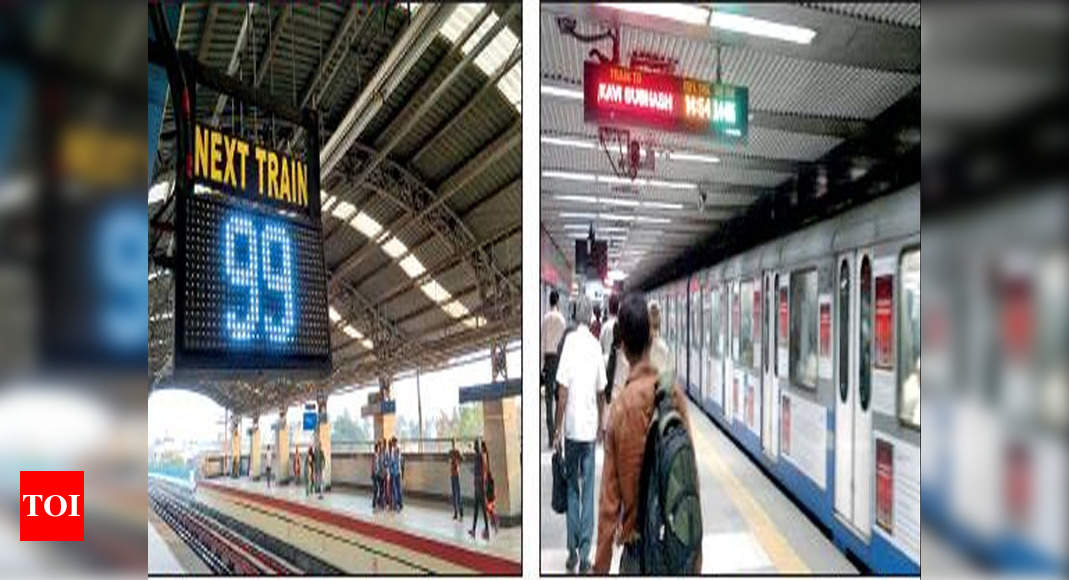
column 250, row 280
column 619, row 95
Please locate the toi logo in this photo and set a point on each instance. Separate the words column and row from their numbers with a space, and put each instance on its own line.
column 51, row 506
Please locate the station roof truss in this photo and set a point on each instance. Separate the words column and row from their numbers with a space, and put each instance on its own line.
column 420, row 175
column 805, row 101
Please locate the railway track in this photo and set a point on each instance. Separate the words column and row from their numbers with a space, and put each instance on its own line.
column 223, row 544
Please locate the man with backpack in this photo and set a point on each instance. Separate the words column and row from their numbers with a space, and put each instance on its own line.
column 647, row 445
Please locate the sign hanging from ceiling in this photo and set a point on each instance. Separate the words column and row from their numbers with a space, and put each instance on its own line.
column 250, row 280
column 618, row 95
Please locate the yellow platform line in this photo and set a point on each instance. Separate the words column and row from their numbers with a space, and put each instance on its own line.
column 783, row 556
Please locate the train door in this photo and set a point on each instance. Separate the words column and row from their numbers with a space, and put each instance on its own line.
column 769, row 384
column 694, row 363
column 853, row 416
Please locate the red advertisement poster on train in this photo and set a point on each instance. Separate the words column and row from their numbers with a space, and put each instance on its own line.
column 885, row 471
column 757, row 316
column 825, row 329
column 884, row 322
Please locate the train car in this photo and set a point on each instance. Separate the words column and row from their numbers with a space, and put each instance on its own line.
column 811, row 363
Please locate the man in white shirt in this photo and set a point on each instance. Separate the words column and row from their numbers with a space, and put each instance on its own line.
column 552, row 331
column 580, row 382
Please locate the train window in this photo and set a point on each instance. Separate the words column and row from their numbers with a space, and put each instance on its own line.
column 909, row 338
column 844, row 330
column 803, row 321
column 864, row 384
column 746, row 328
column 774, row 355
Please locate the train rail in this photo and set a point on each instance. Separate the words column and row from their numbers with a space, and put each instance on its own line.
column 225, row 546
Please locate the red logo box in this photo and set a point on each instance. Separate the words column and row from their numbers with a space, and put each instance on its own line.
column 51, row 506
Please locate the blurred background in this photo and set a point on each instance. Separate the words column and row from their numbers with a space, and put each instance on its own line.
column 994, row 311
column 73, row 287
column 73, row 263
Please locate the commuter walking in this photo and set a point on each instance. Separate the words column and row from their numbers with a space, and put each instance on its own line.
column 659, row 357
column 616, row 367
column 491, row 492
column 454, row 480
column 267, row 468
column 320, row 464
column 621, row 499
column 479, row 471
column 395, row 474
column 309, row 468
column 580, row 384
column 375, row 477
column 552, row 331
column 595, row 324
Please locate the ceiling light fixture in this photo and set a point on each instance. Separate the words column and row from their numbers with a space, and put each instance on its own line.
column 675, row 156
column 564, row 142
column 562, row 92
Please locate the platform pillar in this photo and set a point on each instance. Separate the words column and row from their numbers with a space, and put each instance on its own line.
column 322, row 436
column 235, row 445
column 281, row 467
column 501, row 429
column 254, row 448
column 502, row 426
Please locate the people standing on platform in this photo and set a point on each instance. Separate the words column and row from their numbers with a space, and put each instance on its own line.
column 625, row 445
column 384, row 474
column 267, row 468
column 396, row 464
column 309, row 468
column 375, row 477
column 491, row 492
column 580, row 384
column 616, row 367
column 454, row 480
column 552, row 330
column 320, row 465
column 479, row 487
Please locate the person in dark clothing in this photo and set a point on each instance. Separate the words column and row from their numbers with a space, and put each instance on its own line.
column 454, row 480
column 480, row 492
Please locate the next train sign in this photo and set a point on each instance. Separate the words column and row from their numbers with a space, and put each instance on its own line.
column 613, row 94
column 248, row 170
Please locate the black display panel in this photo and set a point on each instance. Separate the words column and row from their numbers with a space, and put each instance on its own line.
column 254, row 291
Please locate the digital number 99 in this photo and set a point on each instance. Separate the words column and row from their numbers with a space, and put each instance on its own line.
column 261, row 264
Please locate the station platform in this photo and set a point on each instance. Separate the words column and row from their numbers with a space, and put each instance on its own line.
column 343, row 530
column 167, row 553
column 750, row 526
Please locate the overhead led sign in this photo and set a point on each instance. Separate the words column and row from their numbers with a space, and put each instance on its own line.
column 251, row 285
column 613, row 94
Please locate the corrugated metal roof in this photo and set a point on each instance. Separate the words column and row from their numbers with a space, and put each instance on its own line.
column 900, row 13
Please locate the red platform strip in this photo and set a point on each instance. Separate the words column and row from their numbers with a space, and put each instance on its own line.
column 478, row 561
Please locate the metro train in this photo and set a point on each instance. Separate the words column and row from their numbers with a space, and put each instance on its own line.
column 806, row 351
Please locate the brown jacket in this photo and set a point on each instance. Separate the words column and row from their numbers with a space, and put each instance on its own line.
column 625, row 443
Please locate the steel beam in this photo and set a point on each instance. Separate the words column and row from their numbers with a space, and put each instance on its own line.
column 232, row 65
column 402, row 56
column 415, row 116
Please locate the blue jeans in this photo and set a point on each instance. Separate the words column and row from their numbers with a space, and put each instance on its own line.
column 579, row 465
column 398, row 501
column 458, row 506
